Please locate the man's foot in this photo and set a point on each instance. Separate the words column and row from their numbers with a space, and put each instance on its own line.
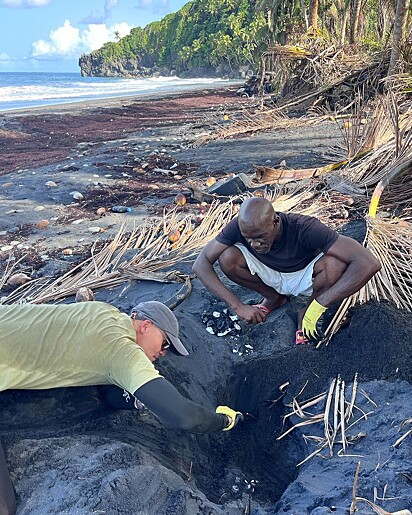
column 275, row 303
column 267, row 306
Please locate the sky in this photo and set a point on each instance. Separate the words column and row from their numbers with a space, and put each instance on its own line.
column 51, row 35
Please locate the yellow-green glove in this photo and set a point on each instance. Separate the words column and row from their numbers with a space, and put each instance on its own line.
column 312, row 321
column 232, row 415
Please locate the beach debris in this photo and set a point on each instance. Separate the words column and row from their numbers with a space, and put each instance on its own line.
column 121, row 209
column 180, row 199
column 51, row 184
column 335, row 420
column 39, row 208
column 84, row 294
column 101, row 211
column 173, row 235
column 210, row 181
column 95, row 229
column 7, row 185
column 231, row 186
column 18, row 279
column 67, row 252
column 6, row 248
column 78, row 221
column 42, row 224
column 199, row 218
column 77, row 195
column 408, row 421
column 377, row 509
column 221, row 323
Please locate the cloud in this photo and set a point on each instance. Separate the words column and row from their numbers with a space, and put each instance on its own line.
column 100, row 16
column 5, row 57
column 69, row 42
column 25, row 3
column 162, row 6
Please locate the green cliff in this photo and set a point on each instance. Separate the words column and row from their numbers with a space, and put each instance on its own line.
column 205, row 37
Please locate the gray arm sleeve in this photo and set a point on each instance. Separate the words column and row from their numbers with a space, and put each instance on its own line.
column 162, row 399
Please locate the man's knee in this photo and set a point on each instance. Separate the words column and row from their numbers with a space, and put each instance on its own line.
column 230, row 260
column 327, row 271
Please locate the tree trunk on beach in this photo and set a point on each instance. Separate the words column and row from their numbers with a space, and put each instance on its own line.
column 354, row 26
column 401, row 16
column 345, row 18
column 313, row 13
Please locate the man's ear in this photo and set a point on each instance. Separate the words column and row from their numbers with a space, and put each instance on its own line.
column 145, row 325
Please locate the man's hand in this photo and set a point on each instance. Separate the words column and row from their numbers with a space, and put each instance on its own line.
column 312, row 321
column 251, row 314
column 232, row 416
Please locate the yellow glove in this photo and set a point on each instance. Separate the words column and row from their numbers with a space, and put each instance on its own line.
column 232, row 416
column 312, row 321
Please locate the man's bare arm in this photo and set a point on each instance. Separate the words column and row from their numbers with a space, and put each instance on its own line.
column 203, row 268
column 362, row 265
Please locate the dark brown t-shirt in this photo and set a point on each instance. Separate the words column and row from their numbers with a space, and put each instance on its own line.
column 303, row 238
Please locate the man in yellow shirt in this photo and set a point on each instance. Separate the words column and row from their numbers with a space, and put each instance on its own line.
column 93, row 343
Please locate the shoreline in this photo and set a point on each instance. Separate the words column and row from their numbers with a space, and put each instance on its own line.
column 46, row 135
column 115, row 101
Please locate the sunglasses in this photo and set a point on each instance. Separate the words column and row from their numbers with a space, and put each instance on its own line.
column 166, row 343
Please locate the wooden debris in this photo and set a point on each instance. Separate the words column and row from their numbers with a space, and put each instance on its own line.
column 336, row 414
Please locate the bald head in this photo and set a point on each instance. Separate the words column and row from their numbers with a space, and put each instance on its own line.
column 256, row 211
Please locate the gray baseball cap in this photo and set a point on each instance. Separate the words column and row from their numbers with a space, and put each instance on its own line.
column 164, row 319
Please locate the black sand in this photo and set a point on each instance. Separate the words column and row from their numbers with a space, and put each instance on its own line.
column 70, row 454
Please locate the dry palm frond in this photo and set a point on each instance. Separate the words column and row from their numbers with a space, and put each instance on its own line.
column 244, row 122
column 402, row 438
column 380, row 511
column 337, row 412
column 8, row 271
column 391, row 242
column 150, row 248
column 390, row 135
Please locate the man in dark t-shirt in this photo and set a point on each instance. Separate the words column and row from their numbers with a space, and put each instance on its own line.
column 283, row 254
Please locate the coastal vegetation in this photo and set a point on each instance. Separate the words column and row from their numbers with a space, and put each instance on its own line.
column 227, row 37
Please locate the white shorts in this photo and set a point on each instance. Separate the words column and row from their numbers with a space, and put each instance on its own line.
column 286, row 283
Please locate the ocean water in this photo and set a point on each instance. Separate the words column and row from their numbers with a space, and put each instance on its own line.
column 25, row 90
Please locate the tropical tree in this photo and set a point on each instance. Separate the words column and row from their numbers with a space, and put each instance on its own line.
column 401, row 17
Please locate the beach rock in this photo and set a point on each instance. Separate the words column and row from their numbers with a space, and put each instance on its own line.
column 78, row 221
column 101, row 211
column 6, row 248
column 7, row 185
column 67, row 252
column 53, row 267
column 121, row 209
column 77, row 195
column 95, row 229
column 84, row 294
column 18, row 279
column 51, row 184
column 39, row 208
